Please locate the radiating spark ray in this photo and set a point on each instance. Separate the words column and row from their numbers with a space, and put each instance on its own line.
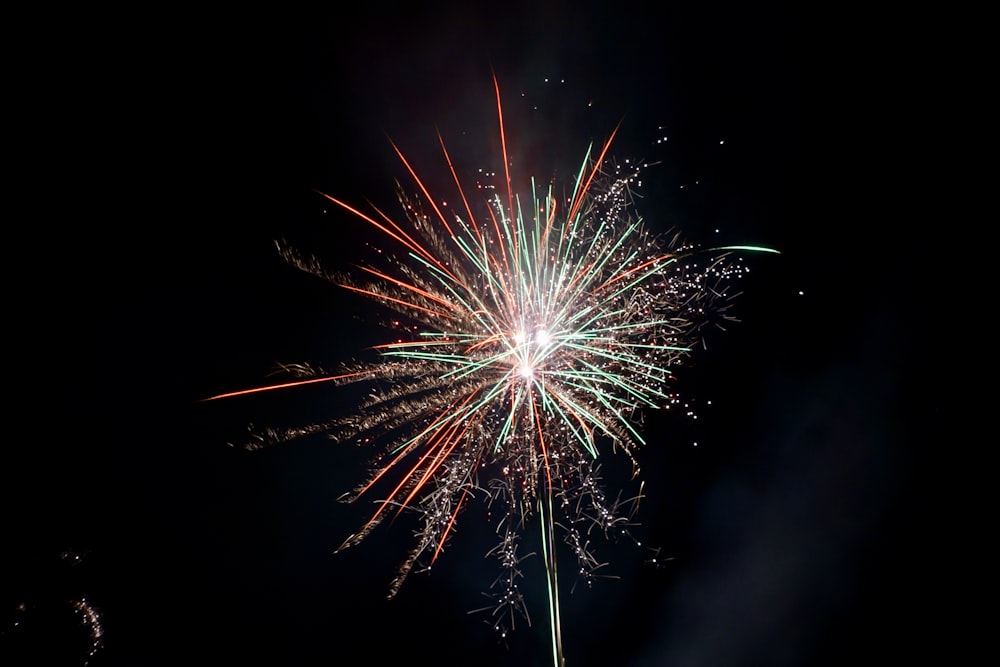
column 580, row 196
column 286, row 385
column 406, row 449
column 503, row 148
column 412, row 288
column 449, row 441
column 451, row 522
column 402, row 237
column 420, row 184
column 408, row 304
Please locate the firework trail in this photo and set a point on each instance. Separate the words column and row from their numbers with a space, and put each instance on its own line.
column 535, row 330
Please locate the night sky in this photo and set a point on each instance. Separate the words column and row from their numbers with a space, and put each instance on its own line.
column 787, row 517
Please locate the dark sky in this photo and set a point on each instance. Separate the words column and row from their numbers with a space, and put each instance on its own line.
column 176, row 151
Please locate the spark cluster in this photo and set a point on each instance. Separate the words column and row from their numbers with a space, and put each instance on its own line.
column 533, row 331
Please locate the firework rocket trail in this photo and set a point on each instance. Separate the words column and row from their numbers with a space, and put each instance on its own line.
column 538, row 329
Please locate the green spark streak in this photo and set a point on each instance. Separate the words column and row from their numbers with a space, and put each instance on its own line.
column 656, row 268
column 457, row 416
column 751, row 248
column 448, row 336
column 592, row 274
column 431, row 356
column 614, row 379
column 603, row 398
column 473, row 367
column 443, row 279
column 508, row 424
column 571, row 265
column 551, row 576
column 582, row 173
column 447, row 281
column 618, row 343
column 587, row 441
column 422, row 343
column 645, row 324
column 538, row 246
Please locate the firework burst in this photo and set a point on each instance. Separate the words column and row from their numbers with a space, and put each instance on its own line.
column 534, row 332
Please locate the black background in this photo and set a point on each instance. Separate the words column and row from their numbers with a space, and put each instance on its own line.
column 165, row 153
